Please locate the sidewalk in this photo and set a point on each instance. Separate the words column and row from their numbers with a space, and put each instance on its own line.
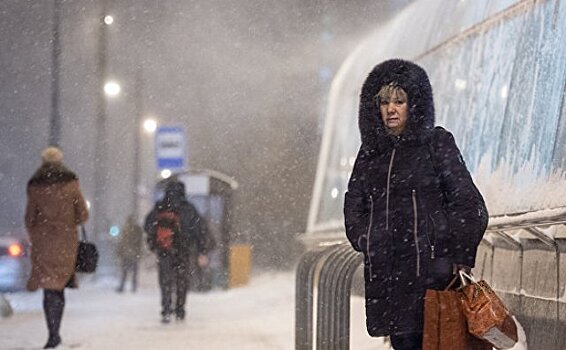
column 259, row 316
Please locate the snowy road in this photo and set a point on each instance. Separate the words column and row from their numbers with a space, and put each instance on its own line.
column 259, row 316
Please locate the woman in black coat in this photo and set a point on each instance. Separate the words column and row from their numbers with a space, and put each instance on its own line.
column 411, row 207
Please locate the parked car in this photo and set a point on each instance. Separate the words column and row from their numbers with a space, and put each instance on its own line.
column 15, row 263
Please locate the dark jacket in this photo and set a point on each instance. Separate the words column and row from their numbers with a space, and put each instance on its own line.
column 411, row 206
column 55, row 207
column 190, row 237
column 130, row 241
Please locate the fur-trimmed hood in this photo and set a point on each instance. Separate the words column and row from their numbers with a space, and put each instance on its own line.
column 51, row 173
column 414, row 80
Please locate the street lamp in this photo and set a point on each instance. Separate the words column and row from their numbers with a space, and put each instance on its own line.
column 147, row 126
column 150, row 125
column 100, row 170
column 112, row 88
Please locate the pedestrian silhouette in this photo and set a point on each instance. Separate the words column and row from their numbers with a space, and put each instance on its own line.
column 128, row 251
column 55, row 207
column 173, row 227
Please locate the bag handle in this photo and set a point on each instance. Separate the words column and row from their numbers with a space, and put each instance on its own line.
column 83, row 234
column 470, row 277
column 451, row 283
column 465, row 277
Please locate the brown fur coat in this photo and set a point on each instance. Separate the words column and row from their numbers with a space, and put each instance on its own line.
column 55, row 207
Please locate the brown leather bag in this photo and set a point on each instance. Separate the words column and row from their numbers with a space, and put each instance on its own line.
column 445, row 326
column 487, row 316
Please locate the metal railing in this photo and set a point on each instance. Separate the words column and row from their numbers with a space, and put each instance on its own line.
column 515, row 250
column 324, row 275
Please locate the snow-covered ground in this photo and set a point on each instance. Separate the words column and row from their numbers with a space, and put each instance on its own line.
column 258, row 316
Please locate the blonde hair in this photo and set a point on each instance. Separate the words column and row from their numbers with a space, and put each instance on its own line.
column 52, row 155
column 388, row 91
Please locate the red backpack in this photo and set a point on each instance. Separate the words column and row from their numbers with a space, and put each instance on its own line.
column 168, row 224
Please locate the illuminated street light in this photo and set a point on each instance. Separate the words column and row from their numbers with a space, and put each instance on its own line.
column 150, row 125
column 114, row 231
column 112, row 88
column 166, row 173
column 108, row 19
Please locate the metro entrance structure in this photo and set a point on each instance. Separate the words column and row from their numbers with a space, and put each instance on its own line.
column 498, row 71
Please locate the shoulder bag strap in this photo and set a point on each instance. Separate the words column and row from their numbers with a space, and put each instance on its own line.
column 83, row 234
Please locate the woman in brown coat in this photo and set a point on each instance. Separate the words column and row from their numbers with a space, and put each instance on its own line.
column 54, row 209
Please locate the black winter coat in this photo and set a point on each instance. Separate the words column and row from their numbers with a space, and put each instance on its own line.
column 411, row 207
column 193, row 232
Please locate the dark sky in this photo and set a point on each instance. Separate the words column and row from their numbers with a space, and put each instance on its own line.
column 243, row 77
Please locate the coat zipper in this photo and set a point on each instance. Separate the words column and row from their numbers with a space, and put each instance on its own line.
column 368, row 236
column 387, row 196
column 415, row 232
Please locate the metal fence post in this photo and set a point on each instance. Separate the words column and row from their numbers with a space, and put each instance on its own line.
column 304, row 299
column 325, row 296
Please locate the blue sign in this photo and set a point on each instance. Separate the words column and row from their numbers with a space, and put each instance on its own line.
column 170, row 147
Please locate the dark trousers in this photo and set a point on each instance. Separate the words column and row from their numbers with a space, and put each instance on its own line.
column 128, row 266
column 53, row 305
column 410, row 341
column 174, row 281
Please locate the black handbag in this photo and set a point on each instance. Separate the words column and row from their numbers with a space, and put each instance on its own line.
column 87, row 255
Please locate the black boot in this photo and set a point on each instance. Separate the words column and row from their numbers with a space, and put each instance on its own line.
column 165, row 318
column 53, row 342
column 120, row 288
column 53, row 304
column 180, row 314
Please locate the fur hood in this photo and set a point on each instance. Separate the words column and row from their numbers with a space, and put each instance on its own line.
column 414, row 80
column 51, row 173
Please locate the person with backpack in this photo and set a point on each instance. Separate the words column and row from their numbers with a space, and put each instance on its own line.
column 173, row 227
column 411, row 207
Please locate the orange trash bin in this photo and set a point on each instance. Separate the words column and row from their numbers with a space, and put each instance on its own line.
column 240, row 264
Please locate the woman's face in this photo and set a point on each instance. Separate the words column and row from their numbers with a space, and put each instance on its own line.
column 394, row 113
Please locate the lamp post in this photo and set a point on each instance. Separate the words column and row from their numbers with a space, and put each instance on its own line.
column 100, row 171
column 138, row 110
column 55, row 120
column 144, row 198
